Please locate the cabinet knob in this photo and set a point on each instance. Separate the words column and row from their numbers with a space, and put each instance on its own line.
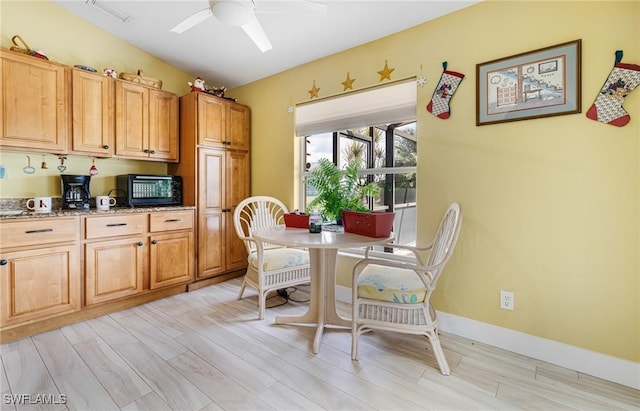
column 226, row 210
column 154, row 242
column 106, row 147
column 146, row 151
column 140, row 243
column 3, row 262
column 152, row 151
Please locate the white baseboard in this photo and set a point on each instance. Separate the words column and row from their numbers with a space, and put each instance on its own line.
column 603, row 366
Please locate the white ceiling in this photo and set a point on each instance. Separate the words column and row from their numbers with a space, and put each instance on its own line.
column 225, row 56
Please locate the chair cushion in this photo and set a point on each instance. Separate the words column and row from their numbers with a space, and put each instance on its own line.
column 280, row 258
column 396, row 285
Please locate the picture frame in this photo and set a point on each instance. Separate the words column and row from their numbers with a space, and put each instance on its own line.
column 539, row 83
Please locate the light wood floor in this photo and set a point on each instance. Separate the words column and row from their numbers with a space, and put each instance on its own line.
column 205, row 350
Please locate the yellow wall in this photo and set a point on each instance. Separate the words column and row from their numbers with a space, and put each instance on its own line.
column 551, row 206
column 69, row 40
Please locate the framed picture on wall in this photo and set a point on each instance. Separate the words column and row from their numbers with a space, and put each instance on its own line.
column 539, row 83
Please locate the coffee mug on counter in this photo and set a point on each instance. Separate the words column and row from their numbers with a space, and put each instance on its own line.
column 39, row 204
column 104, row 202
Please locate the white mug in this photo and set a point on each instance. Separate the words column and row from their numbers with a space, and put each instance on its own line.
column 104, row 202
column 39, row 204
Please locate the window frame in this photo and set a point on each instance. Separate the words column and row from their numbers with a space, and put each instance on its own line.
column 370, row 171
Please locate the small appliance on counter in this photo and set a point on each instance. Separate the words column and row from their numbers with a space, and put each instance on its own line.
column 149, row 190
column 75, row 192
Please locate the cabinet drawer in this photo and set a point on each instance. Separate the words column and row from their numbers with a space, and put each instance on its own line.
column 116, row 225
column 19, row 233
column 171, row 220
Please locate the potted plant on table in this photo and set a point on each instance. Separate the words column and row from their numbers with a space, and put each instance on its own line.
column 339, row 189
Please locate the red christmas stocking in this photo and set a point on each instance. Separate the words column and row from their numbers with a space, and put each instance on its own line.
column 608, row 105
column 439, row 104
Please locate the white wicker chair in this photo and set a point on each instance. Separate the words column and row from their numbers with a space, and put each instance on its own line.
column 395, row 296
column 271, row 267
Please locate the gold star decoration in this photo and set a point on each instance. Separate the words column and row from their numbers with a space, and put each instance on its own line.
column 386, row 72
column 348, row 83
column 290, row 109
column 314, row 90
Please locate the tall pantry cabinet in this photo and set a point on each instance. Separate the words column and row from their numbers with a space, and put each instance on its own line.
column 214, row 165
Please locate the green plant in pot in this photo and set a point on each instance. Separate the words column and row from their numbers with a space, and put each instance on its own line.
column 339, row 189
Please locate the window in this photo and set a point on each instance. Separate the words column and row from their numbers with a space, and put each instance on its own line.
column 377, row 126
column 388, row 154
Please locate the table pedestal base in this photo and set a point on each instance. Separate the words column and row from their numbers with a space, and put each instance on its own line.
column 322, row 303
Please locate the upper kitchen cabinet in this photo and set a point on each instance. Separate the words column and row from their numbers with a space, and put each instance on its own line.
column 146, row 123
column 53, row 108
column 218, row 122
column 93, row 121
column 163, row 125
column 35, row 101
column 238, row 123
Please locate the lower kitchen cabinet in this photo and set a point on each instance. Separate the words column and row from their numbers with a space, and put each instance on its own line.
column 113, row 269
column 167, row 262
column 40, row 276
column 61, row 269
column 39, row 284
column 130, row 254
column 114, row 256
column 172, row 254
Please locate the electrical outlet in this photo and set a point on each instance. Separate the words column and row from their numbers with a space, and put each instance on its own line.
column 506, row 300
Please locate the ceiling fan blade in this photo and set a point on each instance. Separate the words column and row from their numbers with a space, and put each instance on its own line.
column 297, row 7
column 194, row 19
column 256, row 33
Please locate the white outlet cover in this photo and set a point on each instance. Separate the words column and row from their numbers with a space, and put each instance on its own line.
column 506, row 300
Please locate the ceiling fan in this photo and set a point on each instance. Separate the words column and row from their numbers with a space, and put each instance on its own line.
column 242, row 13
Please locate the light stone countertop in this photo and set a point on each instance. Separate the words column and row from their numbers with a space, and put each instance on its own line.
column 25, row 214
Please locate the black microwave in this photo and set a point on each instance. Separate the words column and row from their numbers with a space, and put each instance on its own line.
column 149, row 190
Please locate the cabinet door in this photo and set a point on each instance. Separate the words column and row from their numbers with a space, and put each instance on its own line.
column 237, row 189
column 211, row 219
column 93, row 114
column 163, row 126
column 211, row 238
column 132, row 130
column 171, row 259
column 35, row 103
column 113, row 269
column 238, row 122
column 37, row 284
column 211, row 121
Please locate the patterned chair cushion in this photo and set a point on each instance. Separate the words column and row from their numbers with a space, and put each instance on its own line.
column 391, row 284
column 279, row 258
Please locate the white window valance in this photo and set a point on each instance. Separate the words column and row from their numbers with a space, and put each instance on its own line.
column 390, row 103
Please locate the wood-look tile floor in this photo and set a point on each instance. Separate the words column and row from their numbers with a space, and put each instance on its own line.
column 206, row 350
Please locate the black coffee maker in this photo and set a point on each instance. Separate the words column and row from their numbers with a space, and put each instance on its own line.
column 75, row 192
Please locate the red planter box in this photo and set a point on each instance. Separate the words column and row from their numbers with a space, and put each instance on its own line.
column 296, row 220
column 375, row 224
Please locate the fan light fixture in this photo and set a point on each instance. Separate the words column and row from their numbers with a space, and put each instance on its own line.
column 242, row 13
column 233, row 13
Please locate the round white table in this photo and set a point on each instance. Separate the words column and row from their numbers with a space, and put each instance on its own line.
column 323, row 250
